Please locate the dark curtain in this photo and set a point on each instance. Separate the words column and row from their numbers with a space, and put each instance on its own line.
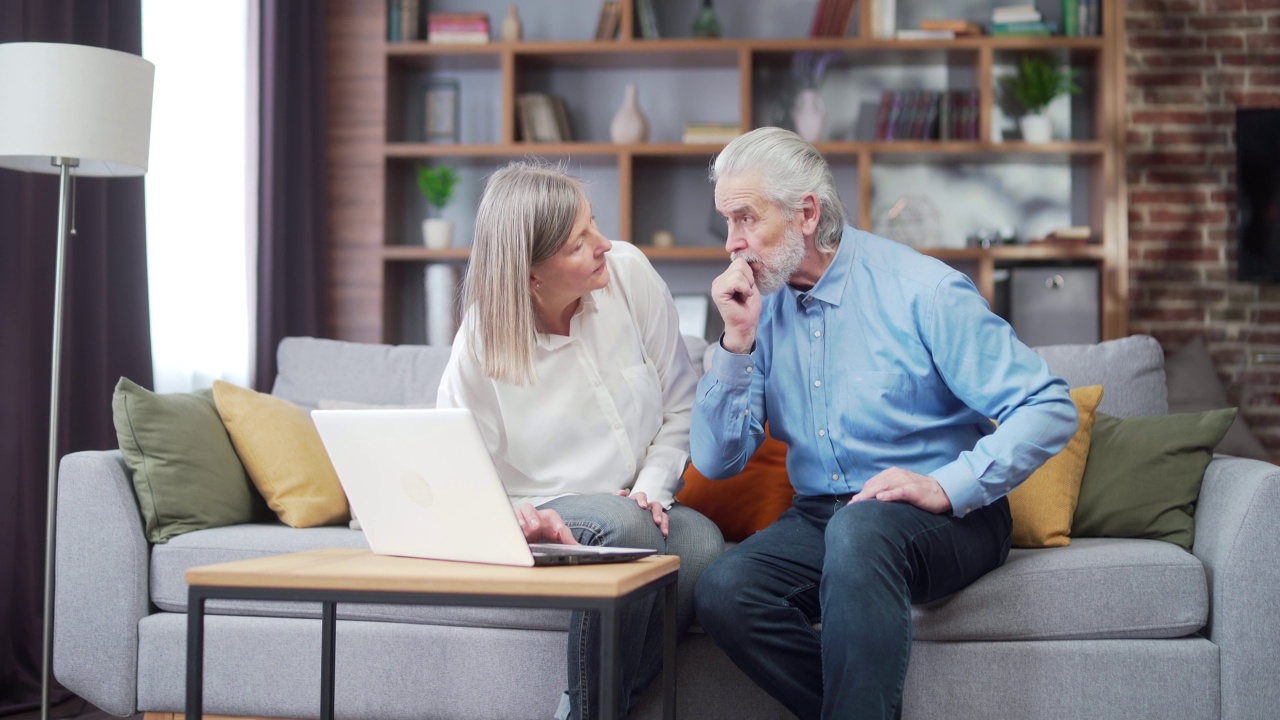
column 106, row 333
column 292, row 240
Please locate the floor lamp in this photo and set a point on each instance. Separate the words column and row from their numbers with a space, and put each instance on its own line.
column 70, row 110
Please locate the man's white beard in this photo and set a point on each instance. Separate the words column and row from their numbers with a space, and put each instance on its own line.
column 776, row 268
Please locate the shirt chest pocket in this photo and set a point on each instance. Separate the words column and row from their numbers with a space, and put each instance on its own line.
column 875, row 405
column 637, row 395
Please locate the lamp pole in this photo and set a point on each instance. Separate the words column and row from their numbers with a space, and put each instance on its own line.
column 64, row 164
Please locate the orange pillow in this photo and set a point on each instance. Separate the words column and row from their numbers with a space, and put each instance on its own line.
column 748, row 501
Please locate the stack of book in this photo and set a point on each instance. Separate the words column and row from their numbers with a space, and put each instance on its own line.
column 404, row 20
column 710, row 133
column 542, row 118
column 458, row 28
column 647, row 20
column 831, row 19
column 1080, row 18
column 941, row 28
column 1020, row 20
column 927, row 115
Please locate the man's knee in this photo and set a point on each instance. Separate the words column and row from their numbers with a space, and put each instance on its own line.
column 714, row 596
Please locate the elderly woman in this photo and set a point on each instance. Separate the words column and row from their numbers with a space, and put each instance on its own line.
column 570, row 358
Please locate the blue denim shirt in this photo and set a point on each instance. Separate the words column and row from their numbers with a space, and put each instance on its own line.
column 893, row 358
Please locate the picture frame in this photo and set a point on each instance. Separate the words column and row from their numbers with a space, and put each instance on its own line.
column 440, row 110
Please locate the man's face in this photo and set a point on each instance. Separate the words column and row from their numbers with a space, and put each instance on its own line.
column 763, row 234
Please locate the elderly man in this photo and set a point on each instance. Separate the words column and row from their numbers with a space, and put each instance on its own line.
column 881, row 369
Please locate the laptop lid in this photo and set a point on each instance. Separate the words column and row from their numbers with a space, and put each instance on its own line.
column 423, row 485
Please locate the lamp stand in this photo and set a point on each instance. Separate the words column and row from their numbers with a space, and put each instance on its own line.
column 66, row 207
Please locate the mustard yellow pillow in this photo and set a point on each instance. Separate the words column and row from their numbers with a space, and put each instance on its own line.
column 280, row 448
column 1044, row 504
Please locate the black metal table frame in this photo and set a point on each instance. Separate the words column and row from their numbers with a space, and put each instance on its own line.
column 610, row 612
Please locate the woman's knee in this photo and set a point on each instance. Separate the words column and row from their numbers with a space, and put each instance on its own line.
column 694, row 538
column 620, row 522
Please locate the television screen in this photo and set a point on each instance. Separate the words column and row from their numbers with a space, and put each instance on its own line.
column 1258, row 194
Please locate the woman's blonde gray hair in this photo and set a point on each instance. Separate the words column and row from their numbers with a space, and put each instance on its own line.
column 788, row 167
column 525, row 217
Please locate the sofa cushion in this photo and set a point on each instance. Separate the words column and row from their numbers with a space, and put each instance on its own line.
column 186, row 474
column 1095, row 588
column 1194, row 387
column 1130, row 371
column 1043, row 505
column 281, row 448
column 1143, row 476
column 311, row 368
column 170, row 562
column 749, row 501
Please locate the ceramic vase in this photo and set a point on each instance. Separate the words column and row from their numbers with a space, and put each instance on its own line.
column 437, row 234
column 629, row 124
column 706, row 24
column 809, row 114
column 512, row 28
column 1036, row 128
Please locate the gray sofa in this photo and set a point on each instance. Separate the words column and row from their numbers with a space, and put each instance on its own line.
column 1104, row 628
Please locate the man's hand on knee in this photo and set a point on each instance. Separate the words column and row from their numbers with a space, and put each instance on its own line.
column 898, row 485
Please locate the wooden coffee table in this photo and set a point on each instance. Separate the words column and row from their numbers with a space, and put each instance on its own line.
column 359, row 576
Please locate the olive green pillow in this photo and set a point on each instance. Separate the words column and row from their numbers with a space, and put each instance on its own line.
column 186, row 474
column 1143, row 475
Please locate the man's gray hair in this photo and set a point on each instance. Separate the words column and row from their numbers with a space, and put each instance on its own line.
column 525, row 217
column 788, row 167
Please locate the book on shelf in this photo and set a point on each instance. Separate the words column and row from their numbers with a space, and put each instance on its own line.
column 1016, row 13
column 609, row 21
column 404, row 20
column 458, row 28
column 709, row 133
column 922, row 34
column 1072, row 235
column 927, row 115
column 832, row 18
column 1024, row 28
column 647, row 19
column 883, row 21
column 542, row 118
column 961, row 28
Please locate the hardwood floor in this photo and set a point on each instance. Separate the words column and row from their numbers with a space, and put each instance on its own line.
column 73, row 709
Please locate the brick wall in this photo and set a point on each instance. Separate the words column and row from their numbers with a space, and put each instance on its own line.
column 1190, row 64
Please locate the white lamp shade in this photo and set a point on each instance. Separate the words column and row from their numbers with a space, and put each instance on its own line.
column 74, row 101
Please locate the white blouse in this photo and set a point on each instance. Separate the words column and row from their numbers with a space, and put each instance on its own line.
column 611, row 404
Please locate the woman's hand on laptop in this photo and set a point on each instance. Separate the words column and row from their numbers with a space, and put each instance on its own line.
column 543, row 526
column 659, row 513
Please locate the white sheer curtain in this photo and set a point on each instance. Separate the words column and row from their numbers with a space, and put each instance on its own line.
column 201, row 211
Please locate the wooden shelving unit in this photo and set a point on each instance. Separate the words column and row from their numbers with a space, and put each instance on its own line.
column 370, row 152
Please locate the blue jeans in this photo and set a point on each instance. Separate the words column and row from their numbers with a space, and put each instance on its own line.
column 857, row 568
column 620, row 522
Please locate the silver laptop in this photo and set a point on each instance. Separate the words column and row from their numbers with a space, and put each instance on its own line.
column 423, row 485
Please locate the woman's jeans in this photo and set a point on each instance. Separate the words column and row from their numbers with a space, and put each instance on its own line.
column 857, row 568
column 620, row 522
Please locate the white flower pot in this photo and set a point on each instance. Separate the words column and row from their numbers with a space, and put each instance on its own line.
column 1036, row 128
column 437, row 234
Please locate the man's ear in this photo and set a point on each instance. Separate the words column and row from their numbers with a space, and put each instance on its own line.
column 810, row 213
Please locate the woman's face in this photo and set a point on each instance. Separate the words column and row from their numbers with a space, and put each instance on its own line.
column 578, row 267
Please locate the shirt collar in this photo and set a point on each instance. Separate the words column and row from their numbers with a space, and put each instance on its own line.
column 830, row 287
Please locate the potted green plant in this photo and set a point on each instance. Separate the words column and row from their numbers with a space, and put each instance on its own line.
column 437, row 183
column 1039, row 80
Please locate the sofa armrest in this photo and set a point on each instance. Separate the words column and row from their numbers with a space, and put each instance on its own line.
column 101, row 579
column 1238, row 540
